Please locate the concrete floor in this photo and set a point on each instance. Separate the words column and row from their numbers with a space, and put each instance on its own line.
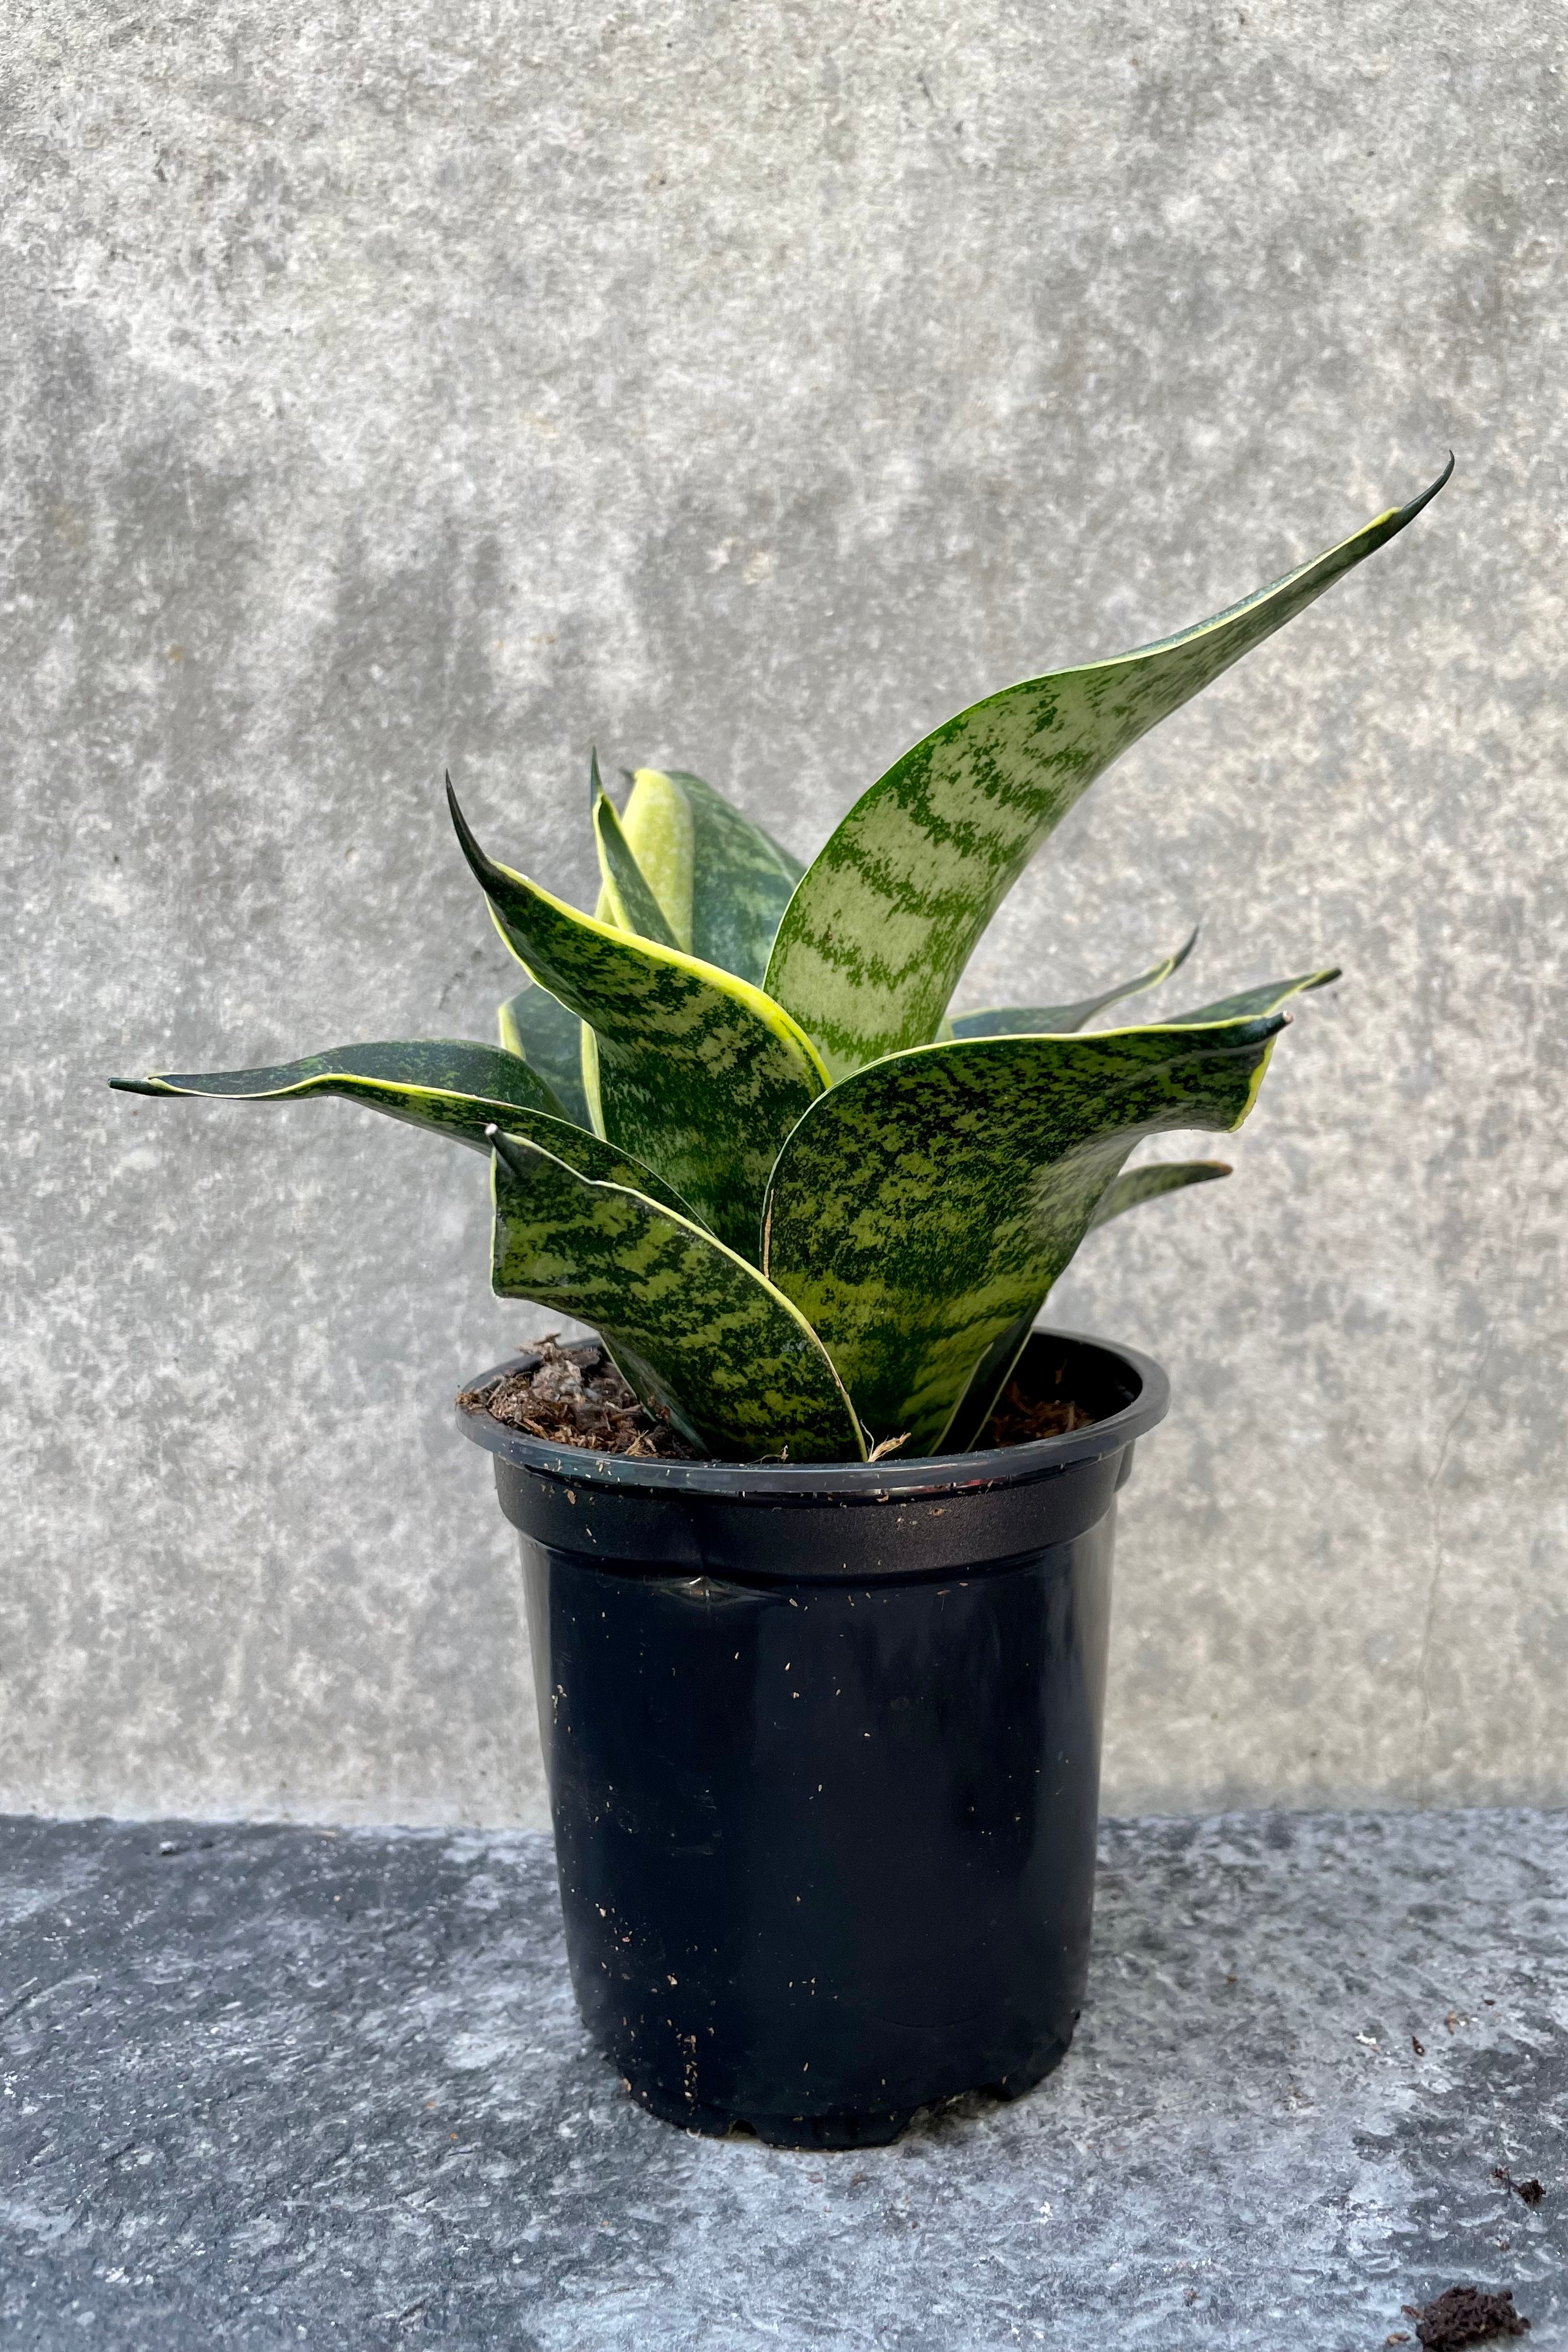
column 275, row 2086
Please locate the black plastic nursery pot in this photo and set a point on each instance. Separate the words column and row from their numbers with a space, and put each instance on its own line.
column 823, row 1747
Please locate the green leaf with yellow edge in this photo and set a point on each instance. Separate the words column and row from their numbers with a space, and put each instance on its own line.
column 1268, row 998
column 1136, row 1185
column 879, row 931
column 922, row 1209
column 625, row 899
column 1062, row 1020
column 448, row 1086
column 538, row 1026
column 720, row 882
column 660, row 836
column 698, row 1075
column 696, row 1329
column 1128, row 1191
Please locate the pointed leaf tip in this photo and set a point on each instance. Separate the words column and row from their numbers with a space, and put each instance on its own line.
column 1408, row 512
column 877, row 934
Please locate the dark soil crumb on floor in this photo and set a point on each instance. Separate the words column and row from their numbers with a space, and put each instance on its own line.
column 1465, row 2315
column 1529, row 2192
column 575, row 1396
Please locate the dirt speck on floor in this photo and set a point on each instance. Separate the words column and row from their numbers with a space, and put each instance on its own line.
column 1466, row 2314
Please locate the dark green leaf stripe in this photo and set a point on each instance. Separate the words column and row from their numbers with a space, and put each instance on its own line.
column 700, row 1075
column 1136, row 1185
column 876, row 936
column 696, row 1329
column 538, row 1026
column 926, row 1205
column 444, row 1085
column 1269, row 998
column 631, row 904
column 1062, row 1020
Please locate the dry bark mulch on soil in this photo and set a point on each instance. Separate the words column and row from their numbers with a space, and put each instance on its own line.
column 1019, row 1416
column 1463, row 2315
column 575, row 1396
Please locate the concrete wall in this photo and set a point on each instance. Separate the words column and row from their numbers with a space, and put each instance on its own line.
column 748, row 387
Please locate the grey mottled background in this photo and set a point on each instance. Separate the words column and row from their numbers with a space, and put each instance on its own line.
column 749, row 387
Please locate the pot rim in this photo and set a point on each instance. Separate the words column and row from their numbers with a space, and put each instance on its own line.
column 773, row 1481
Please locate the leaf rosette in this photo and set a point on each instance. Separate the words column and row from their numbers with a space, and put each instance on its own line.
column 732, row 1120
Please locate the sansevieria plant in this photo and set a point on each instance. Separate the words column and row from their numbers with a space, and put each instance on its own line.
column 731, row 1122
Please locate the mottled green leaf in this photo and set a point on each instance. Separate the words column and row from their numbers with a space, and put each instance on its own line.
column 696, row 1329
column 1135, row 1185
column 742, row 882
column 444, row 1084
column 879, row 931
column 698, row 1075
column 719, row 881
column 660, row 834
column 538, row 1026
column 1269, row 998
column 973, row 1409
column 926, row 1205
column 1062, row 1020
column 626, row 898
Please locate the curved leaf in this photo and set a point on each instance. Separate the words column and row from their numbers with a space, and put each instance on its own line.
column 743, row 879
column 658, row 832
column 696, row 1329
column 626, row 898
column 1135, row 1185
column 698, row 1075
column 549, row 1039
column 926, row 1205
column 720, row 882
column 875, row 938
column 1062, row 1020
column 444, row 1085
column 1269, row 998
column 989, row 1377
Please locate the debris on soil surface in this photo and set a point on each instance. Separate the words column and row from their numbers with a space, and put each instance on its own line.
column 575, row 1396
column 1021, row 1415
column 1465, row 2315
column 1529, row 2192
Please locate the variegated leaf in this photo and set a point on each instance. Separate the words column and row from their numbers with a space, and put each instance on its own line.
column 696, row 1330
column 550, row 1039
column 660, row 834
column 719, row 881
column 1136, row 1185
column 877, row 934
column 444, row 1084
column 698, row 1075
column 922, row 1209
column 1062, row 1020
column 1268, row 998
column 626, row 898
column 742, row 880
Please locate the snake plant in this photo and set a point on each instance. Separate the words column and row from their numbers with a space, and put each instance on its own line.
column 731, row 1122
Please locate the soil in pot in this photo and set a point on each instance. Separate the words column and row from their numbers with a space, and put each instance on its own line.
column 573, row 1395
